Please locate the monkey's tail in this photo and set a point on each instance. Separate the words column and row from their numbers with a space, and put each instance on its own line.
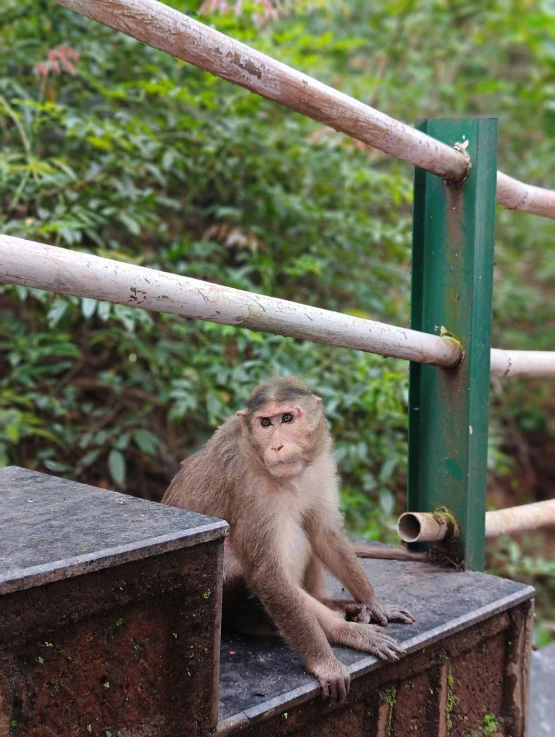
column 387, row 552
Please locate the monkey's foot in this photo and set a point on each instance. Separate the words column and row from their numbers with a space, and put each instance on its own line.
column 352, row 611
column 383, row 614
column 334, row 679
column 369, row 639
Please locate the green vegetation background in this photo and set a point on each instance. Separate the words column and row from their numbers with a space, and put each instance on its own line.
column 111, row 147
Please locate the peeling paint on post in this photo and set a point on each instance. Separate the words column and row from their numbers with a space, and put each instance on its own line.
column 452, row 290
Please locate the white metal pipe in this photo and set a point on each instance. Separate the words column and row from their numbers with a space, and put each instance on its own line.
column 515, row 195
column 71, row 272
column 169, row 30
column 185, row 38
column 434, row 526
column 416, row 527
column 522, row 363
column 520, row 519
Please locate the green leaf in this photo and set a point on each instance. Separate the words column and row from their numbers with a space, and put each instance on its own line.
column 88, row 307
column 387, row 501
column 56, row 311
column 386, row 471
column 116, row 465
column 147, row 441
column 103, row 310
column 131, row 224
column 12, row 433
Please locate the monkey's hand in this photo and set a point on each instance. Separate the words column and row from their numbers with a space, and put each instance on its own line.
column 334, row 679
column 357, row 612
column 384, row 614
column 372, row 639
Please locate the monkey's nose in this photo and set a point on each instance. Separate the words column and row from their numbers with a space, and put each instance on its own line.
column 279, row 447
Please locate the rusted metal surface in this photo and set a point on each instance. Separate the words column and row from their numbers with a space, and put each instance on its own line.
column 185, row 38
column 70, row 272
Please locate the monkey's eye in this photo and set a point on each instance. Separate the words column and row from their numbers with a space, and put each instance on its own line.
column 287, row 417
column 265, row 422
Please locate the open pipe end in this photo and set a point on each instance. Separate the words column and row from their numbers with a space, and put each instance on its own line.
column 416, row 527
column 409, row 527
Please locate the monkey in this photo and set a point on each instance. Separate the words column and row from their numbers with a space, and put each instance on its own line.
column 269, row 472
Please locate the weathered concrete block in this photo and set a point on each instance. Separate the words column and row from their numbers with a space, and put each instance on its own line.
column 109, row 623
column 465, row 675
column 109, row 612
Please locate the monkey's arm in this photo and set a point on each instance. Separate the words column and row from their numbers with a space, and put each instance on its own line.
column 290, row 608
column 331, row 545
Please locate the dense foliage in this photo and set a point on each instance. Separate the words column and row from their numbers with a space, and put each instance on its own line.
column 112, row 147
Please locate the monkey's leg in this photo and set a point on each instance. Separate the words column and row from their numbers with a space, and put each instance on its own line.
column 315, row 579
column 241, row 610
column 286, row 602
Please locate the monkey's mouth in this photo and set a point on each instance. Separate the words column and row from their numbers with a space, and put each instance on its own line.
column 286, row 468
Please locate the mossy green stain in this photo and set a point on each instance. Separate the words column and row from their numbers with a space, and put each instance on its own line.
column 490, row 724
column 452, row 700
column 390, row 698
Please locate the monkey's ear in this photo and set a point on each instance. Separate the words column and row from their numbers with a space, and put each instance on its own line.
column 318, row 399
column 242, row 413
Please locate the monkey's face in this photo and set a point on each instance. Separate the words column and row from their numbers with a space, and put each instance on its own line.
column 283, row 434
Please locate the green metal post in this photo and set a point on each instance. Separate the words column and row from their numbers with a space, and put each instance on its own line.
column 452, row 275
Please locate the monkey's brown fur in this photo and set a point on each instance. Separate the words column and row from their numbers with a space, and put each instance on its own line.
column 270, row 473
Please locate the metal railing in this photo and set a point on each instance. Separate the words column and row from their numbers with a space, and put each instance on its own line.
column 189, row 40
